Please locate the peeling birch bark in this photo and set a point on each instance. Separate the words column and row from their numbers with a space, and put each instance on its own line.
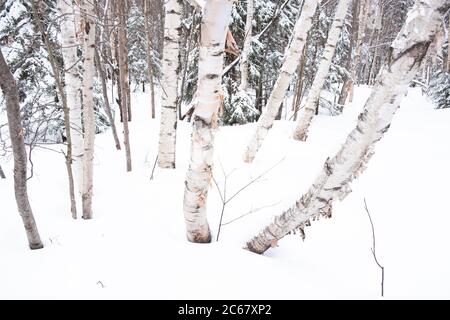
column 301, row 131
column 247, row 45
column 406, row 55
column 216, row 17
column 288, row 69
column 11, row 94
column 171, row 70
column 88, row 110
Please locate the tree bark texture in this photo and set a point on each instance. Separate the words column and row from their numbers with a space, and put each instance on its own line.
column 406, row 55
column 11, row 93
column 171, row 71
column 216, row 17
column 265, row 122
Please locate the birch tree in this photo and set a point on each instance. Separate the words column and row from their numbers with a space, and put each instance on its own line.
column 59, row 84
column 301, row 132
column 88, row 110
column 69, row 45
column 406, row 55
column 216, row 17
column 288, row 69
column 16, row 132
column 247, row 45
column 123, row 81
column 170, row 69
column 148, row 34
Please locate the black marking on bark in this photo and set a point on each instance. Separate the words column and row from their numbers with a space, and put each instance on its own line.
column 211, row 76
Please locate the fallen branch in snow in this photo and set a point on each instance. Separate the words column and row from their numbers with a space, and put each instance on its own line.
column 223, row 195
column 101, row 283
column 373, row 249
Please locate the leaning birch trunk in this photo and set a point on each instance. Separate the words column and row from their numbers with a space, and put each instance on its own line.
column 88, row 111
column 301, row 132
column 121, row 53
column 406, row 55
column 216, row 17
column 247, row 45
column 11, row 93
column 69, row 45
column 149, row 57
column 288, row 69
column 170, row 69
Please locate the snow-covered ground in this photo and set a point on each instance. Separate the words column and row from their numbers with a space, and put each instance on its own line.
column 135, row 247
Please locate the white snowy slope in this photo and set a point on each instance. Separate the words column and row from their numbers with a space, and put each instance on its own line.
column 136, row 248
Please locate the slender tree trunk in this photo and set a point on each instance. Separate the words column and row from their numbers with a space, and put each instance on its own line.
column 265, row 122
column 373, row 65
column 406, row 55
column 123, row 81
column 59, row 84
column 127, row 81
column 447, row 64
column 88, row 111
column 170, row 68
column 70, row 21
column 186, row 64
column 10, row 91
column 108, row 111
column 301, row 132
column 299, row 89
column 359, row 39
column 149, row 56
column 247, row 45
column 2, row 174
column 216, row 17
column 346, row 86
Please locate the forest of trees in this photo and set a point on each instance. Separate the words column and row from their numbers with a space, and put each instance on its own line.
column 66, row 66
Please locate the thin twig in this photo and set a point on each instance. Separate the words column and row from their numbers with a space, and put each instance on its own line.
column 373, row 249
column 154, row 166
column 251, row 211
column 223, row 196
column 254, row 180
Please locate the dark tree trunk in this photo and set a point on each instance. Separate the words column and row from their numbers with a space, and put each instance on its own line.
column 9, row 88
column 2, row 174
column 108, row 111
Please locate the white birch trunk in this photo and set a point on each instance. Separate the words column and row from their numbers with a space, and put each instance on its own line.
column 288, row 69
column 407, row 53
column 301, row 132
column 216, row 17
column 69, row 44
column 247, row 45
column 170, row 69
column 88, row 110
